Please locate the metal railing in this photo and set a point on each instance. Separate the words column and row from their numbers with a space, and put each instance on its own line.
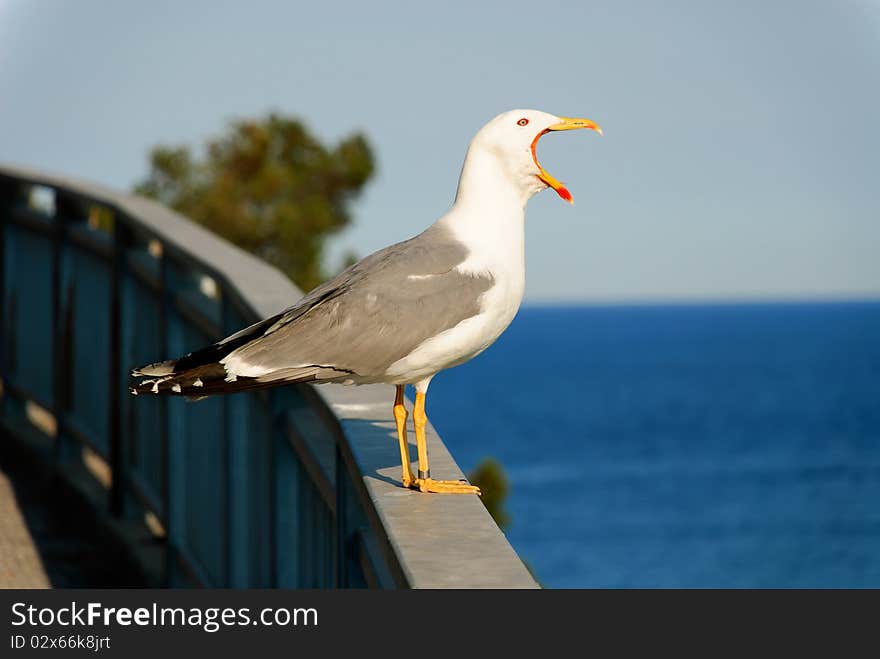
column 292, row 487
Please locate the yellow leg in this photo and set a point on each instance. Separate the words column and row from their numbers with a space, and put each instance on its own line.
column 424, row 481
column 400, row 420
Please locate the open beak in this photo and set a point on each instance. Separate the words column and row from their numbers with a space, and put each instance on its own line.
column 567, row 123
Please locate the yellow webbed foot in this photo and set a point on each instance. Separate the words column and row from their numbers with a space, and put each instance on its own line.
column 446, row 487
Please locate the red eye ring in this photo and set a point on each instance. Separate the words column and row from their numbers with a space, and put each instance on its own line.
column 522, row 122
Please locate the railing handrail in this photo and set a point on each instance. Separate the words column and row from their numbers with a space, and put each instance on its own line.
column 426, row 540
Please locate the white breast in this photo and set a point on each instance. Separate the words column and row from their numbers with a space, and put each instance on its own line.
column 496, row 249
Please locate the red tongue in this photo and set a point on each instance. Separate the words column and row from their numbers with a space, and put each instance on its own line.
column 564, row 193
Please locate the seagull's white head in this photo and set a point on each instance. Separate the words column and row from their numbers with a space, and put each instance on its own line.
column 508, row 144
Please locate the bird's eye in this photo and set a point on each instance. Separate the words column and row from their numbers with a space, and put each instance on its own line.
column 522, row 122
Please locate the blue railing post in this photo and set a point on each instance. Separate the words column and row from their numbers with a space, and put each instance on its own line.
column 68, row 209
column 11, row 192
column 238, row 469
column 288, row 504
column 341, row 540
column 116, row 377
column 237, row 466
column 171, row 427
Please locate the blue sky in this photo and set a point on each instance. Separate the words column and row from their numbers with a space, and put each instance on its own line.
column 741, row 156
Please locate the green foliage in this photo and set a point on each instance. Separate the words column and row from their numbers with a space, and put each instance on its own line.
column 489, row 476
column 269, row 186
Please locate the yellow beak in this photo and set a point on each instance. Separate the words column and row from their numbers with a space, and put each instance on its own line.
column 567, row 123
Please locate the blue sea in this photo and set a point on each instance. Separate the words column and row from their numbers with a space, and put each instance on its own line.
column 681, row 446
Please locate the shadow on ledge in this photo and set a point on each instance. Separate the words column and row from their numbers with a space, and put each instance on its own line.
column 74, row 550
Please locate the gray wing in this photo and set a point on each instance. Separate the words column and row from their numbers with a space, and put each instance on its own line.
column 372, row 314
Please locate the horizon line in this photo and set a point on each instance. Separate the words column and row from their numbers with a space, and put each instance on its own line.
column 704, row 301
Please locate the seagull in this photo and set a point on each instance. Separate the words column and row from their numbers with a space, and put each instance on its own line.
column 406, row 312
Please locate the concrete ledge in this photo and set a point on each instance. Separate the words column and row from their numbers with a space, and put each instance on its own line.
column 440, row 541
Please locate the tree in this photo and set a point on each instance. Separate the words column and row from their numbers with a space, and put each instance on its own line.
column 489, row 476
column 269, row 186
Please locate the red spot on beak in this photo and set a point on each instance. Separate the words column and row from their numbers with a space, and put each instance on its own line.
column 564, row 193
